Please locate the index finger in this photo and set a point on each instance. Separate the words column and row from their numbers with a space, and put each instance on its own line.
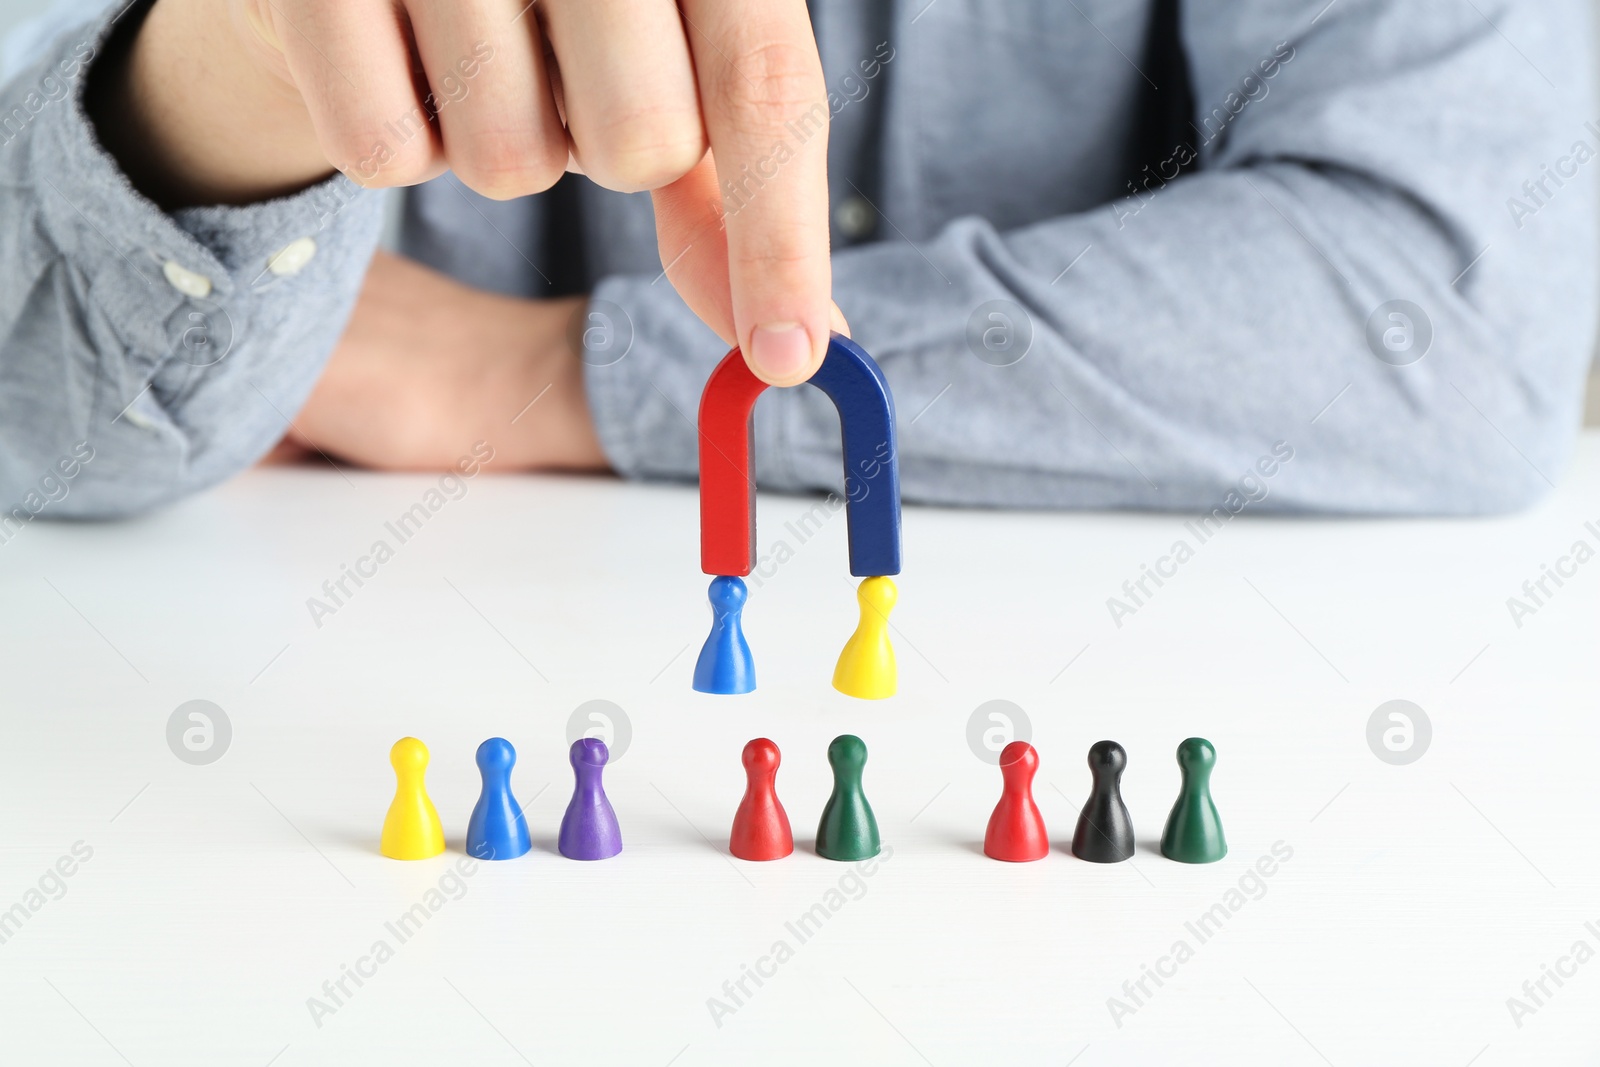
column 766, row 114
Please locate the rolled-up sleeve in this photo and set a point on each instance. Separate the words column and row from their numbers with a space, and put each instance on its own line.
column 150, row 354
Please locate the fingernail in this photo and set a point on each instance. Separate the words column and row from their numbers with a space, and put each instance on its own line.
column 780, row 350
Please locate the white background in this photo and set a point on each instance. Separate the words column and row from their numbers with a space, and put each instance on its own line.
column 219, row 898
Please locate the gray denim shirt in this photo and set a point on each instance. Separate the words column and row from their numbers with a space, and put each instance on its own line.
column 1126, row 253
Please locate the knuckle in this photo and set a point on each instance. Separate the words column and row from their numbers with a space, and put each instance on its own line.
column 371, row 156
column 772, row 259
column 646, row 149
column 768, row 84
column 779, row 247
column 503, row 166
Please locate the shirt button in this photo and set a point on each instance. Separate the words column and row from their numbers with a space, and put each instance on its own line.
column 186, row 281
column 292, row 256
column 855, row 217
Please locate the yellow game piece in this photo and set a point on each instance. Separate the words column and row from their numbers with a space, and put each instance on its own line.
column 411, row 830
column 866, row 666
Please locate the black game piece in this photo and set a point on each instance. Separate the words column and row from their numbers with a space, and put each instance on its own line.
column 1105, row 833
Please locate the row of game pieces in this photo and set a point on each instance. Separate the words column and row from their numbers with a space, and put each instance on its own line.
column 848, row 830
column 498, row 830
column 1016, row 831
column 1193, row 833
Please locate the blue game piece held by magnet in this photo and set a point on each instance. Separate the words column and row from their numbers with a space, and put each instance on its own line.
column 589, row 829
column 497, row 830
column 725, row 664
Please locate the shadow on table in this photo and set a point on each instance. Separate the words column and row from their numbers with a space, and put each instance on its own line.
column 550, row 845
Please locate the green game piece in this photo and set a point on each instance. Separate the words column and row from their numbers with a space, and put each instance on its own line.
column 847, row 830
column 1194, row 830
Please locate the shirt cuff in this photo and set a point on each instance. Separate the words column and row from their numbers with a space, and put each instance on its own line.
column 140, row 263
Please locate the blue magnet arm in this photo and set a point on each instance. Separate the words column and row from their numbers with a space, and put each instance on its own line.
column 852, row 380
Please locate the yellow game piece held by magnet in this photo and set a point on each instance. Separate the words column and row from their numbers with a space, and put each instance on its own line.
column 411, row 830
column 866, row 666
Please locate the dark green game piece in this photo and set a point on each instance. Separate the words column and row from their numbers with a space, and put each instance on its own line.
column 847, row 830
column 1194, row 830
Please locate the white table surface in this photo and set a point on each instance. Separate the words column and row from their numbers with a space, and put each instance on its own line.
column 219, row 898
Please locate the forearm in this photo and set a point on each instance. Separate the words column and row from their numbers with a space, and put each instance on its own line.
column 1175, row 353
column 1189, row 340
column 1219, row 313
column 175, row 345
column 428, row 368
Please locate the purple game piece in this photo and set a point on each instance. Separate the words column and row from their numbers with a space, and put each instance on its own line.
column 589, row 829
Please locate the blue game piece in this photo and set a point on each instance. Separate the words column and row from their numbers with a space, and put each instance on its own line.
column 725, row 664
column 858, row 389
column 497, row 829
column 589, row 829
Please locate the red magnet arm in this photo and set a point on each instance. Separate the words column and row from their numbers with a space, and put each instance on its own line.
column 727, row 484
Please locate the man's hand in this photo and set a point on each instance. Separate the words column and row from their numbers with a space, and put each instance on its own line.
column 238, row 101
column 428, row 367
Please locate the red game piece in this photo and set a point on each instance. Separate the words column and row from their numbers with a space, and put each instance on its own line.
column 1016, row 829
column 760, row 826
